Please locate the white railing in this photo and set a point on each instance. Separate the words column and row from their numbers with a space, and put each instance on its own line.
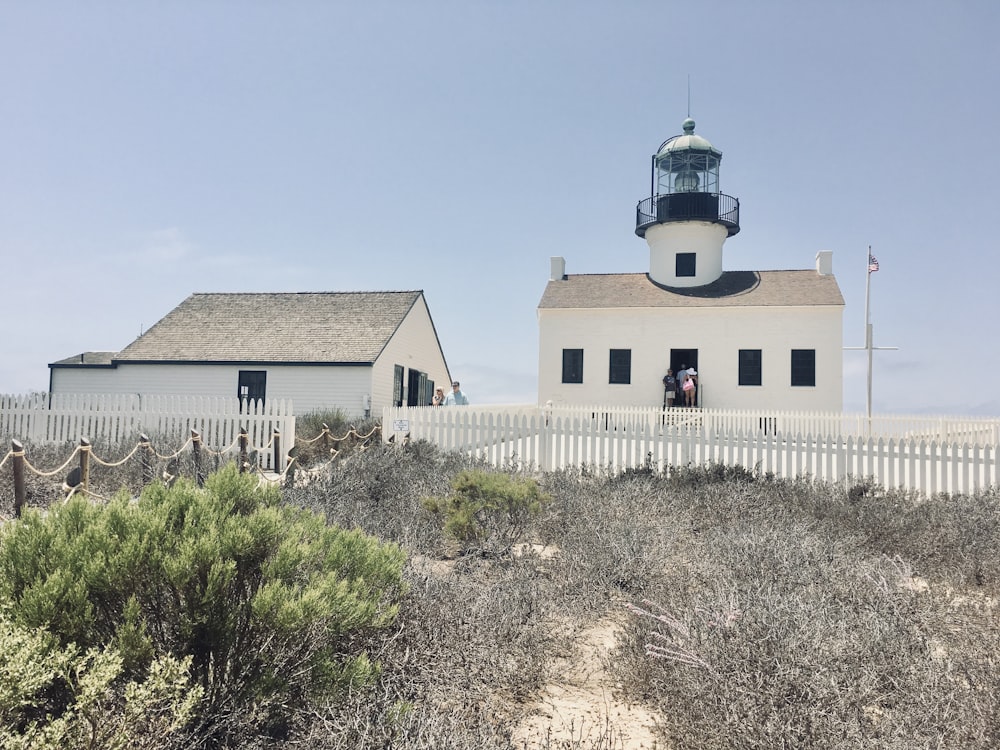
column 118, row 419
column 784, row 444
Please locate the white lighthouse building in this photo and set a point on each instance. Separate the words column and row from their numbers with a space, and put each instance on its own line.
column 757, row 339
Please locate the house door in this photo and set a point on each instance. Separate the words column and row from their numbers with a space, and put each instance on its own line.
column 252, row 384
column 416, row 393
column 397, row 386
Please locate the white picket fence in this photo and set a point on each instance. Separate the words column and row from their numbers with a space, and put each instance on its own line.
column 929, row 455
column 120, row 418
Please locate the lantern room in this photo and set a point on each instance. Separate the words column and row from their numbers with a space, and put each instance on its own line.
column 686, row 164
column 685, row 185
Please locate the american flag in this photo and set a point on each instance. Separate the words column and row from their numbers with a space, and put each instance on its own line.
column 872, row 263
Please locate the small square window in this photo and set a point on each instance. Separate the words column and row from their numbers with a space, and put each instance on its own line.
column 685, row 264
column 251, row 385
column 750, row 367
column 620, row 366
column 572, row 366
column 804, row 367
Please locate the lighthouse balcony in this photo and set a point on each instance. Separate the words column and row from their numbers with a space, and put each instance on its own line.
column 662, row 209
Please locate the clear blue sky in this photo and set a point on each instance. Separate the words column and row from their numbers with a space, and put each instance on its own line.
column 149, row 150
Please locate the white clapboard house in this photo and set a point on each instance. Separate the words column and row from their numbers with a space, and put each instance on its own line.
column 356, row 351
column 758, row 339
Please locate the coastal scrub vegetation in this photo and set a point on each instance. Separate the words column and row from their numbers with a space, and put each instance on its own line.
column 488, row 512
column 344, row 612
column 265, row 606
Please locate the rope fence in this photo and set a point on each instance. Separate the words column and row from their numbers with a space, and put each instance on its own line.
column 250, row 459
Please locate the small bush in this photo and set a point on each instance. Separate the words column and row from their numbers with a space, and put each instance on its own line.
column 94, row 707
column 488, row 512
column 710, row 473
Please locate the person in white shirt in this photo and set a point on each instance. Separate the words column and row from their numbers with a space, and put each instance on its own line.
column 456, row 397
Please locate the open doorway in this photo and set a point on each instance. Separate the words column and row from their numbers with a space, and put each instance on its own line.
column 680, row 358
column 416, row 389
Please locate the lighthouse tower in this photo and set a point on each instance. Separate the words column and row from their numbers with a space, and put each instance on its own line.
column 686, row 220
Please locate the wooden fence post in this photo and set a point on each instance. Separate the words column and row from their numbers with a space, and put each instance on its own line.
column 146, row 458
column 199, row 477
column 243, row 449
column 277, row 462
column 326, row 439
column 293, row 455
column 18, row 467
column 337, row 442
column 84, row 463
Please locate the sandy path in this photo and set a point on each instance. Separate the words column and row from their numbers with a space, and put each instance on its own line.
column 580, row 703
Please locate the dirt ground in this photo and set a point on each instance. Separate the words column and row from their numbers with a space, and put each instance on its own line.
column 580, row 704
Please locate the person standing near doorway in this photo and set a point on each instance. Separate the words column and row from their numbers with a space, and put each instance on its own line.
column 690, row 387
column 681, row 376
column 669, row 389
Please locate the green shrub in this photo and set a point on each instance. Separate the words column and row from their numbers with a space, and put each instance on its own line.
column 96, row 708
column 267, row 601
column 488, row 512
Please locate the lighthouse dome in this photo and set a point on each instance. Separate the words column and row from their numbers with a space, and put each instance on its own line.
column 686, row 142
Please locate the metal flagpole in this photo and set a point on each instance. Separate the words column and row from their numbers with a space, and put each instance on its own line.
column 871, row 266
column 868, row 332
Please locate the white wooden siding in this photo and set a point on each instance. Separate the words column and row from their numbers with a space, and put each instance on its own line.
column 84, row 380
column 175, row 380
column 414, row 346
column 308, row 387
column 312, row 388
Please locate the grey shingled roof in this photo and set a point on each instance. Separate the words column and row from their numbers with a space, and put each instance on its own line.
column 342, row 327
column 87, row 359
column 733, row 289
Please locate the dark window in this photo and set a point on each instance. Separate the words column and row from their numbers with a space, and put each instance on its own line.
column 750, row 366
column 251, row 385
column 804, row 367
column 620, row 366
column 572, row 366
column 685, row 264
column 397, row 386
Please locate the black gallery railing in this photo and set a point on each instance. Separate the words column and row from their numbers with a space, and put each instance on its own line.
column 714, row 207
